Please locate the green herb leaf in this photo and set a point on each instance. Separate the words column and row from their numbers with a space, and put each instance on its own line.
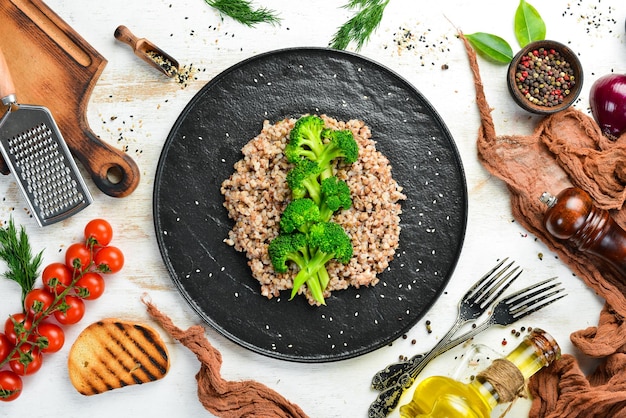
column 16, row 252
column 243, row 12
column 361, row 26
column 529, row 26
column 491, row 47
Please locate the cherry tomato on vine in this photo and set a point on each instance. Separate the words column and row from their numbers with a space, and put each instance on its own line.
column 90, row 286
column 59, row 271
column 74, row 313
column 10, row 385
column 109, row 259
column 37, row 301
column 99, row 232
column 27, row 360
column 5, row 347
column 78, row 256
column 53, row 333
column 22, row 321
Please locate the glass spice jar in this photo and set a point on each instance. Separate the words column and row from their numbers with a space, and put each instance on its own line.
column 500, row 382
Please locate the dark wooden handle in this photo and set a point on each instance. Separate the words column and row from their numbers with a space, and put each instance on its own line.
column 575, row 218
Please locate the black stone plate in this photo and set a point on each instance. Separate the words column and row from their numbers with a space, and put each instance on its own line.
column 191, row 222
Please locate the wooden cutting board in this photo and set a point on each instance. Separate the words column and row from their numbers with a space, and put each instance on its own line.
column 53, row 66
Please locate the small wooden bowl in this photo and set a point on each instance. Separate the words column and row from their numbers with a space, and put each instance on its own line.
column 568, row 55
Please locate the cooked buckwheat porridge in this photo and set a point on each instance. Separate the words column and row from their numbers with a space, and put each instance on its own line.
column 257, row 193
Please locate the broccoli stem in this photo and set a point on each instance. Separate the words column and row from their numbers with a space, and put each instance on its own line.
column 326, row 213
column 309, row 273
column 313, row 187
column 324, row 278
column 316, row 289
column 325, row 162
column 301, row 260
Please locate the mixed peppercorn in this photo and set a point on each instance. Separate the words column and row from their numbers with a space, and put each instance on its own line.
column 544, row 77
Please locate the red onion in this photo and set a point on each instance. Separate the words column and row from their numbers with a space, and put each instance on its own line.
column 608, row 104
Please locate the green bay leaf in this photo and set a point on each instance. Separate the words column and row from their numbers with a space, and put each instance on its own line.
column 491, row 47
column 529, row 26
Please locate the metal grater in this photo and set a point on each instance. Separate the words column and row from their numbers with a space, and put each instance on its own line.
column 45, row 171
column 34, row 150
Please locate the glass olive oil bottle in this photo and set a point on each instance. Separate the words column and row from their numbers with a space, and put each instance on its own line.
column 443, row 397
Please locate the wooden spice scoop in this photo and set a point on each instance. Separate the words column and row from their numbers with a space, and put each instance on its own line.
column 148, row 52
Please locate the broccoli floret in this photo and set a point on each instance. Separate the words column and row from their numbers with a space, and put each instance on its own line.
column 331, row 241
column 289, row 247
column 316, row 194
column 340, row 144
column 302, row 179
column 305, row 139
column 299, row 215
column 335, row 195
column 312, row 148
column 327, row 241
column 294, row 247
column 310, row 139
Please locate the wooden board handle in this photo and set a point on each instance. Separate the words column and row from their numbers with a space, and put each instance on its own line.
column 115, row 173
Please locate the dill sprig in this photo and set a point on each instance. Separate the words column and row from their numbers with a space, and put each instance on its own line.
column 243, row 12
column 361, row 26
column 15, row 250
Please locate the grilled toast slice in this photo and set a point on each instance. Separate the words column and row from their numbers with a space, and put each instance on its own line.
column 112, row 353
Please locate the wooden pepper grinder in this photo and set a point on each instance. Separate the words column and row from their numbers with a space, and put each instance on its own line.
column 572, row 216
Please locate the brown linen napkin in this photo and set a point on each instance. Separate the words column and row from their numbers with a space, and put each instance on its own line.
column 567, row 148
column 607, row 338
column 563, row 390
column 223, row 398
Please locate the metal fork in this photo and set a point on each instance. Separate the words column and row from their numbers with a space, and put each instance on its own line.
column 473, row 304
column 515, row 307
column 507, row 311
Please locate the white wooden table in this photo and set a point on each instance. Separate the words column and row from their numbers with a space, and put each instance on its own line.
column 133, row 108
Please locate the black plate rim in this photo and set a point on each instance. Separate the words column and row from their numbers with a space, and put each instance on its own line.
column 234, row 338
